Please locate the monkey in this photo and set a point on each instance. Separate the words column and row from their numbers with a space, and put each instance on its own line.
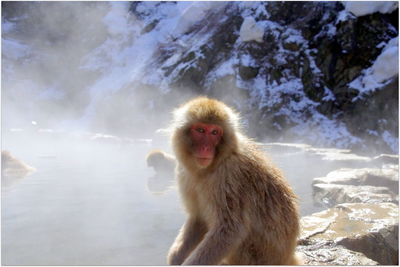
column 161, row 162
column 240, row 209
column 164, row 165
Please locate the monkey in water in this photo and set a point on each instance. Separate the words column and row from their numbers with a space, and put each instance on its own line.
column 241, row 210
column 161, row 162
column 164, row 166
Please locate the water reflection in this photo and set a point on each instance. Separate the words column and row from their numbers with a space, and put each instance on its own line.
column 160, row 183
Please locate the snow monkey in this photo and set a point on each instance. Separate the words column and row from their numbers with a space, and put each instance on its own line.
column 241, row 211
column 161, row 161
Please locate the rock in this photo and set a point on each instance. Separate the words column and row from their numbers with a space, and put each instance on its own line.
column 387, row 158
column 149, row 27
column 386, row 239
column 332, row 194
column 371, row 229
column 333, row 154
column 12, row 169
column 329, row 154
column 247, row 73
column 251, row 31
column 386, row 177
column 292, row 46
column 106, row 139
column 286, row 147
column 332, row 254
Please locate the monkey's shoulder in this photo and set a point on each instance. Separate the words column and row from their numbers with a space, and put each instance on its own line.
column 253, row 163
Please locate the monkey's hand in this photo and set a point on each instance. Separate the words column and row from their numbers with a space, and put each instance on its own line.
column 174, row 257
column 216, row 245
column 189, row 237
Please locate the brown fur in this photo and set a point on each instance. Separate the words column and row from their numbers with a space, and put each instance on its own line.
column 161, row 161
column 241, row 211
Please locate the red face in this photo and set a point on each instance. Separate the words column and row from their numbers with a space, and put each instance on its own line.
column 205, row 138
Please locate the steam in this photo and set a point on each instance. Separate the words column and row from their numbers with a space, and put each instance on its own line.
column 70, row 66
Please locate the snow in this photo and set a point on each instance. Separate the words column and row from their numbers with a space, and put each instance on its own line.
column 193, row 13
column 293, row 36
column 7, row 26
column 385, row 67
column 14, row 49
column 362, row 8
column 247, row 60
column 391, row 141
column 226, row 68
column 117, row 20
column 251, row 31
column 328, row 95
column 343, row 16
column 321, row 131
column 261, row 11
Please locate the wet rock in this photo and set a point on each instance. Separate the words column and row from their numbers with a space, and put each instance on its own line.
column 332, row 254
column 386, row 177
column 386, row 239
column 12, row 169
column 371, row 229
column 331, row 194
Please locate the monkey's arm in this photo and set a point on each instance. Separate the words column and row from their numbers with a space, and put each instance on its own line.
column 216, row 244
column 189, row 237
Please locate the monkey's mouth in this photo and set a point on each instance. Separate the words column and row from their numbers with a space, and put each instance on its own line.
column 204, row 161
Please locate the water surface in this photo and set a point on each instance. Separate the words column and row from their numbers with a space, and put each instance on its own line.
column 97, row 203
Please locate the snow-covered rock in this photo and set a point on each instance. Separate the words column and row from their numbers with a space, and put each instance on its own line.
column 328, row 154
column 387, row 177
column 362, row 8
column 385, row 67
column 332, row 194
column 251, row 31
column 387, row 159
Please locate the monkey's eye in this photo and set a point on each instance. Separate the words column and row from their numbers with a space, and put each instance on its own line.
column 214, row 132
column 200, row 130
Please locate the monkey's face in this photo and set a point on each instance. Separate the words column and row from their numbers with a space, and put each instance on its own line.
column 205, row 138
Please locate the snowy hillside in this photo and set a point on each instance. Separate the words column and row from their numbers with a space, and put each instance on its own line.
column 324, row 73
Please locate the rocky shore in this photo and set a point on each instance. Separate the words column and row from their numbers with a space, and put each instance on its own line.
column 360, row 225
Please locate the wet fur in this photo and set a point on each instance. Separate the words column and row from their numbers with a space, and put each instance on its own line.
column 240, row 208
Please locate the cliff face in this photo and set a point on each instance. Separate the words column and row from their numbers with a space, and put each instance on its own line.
column 301, row 71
